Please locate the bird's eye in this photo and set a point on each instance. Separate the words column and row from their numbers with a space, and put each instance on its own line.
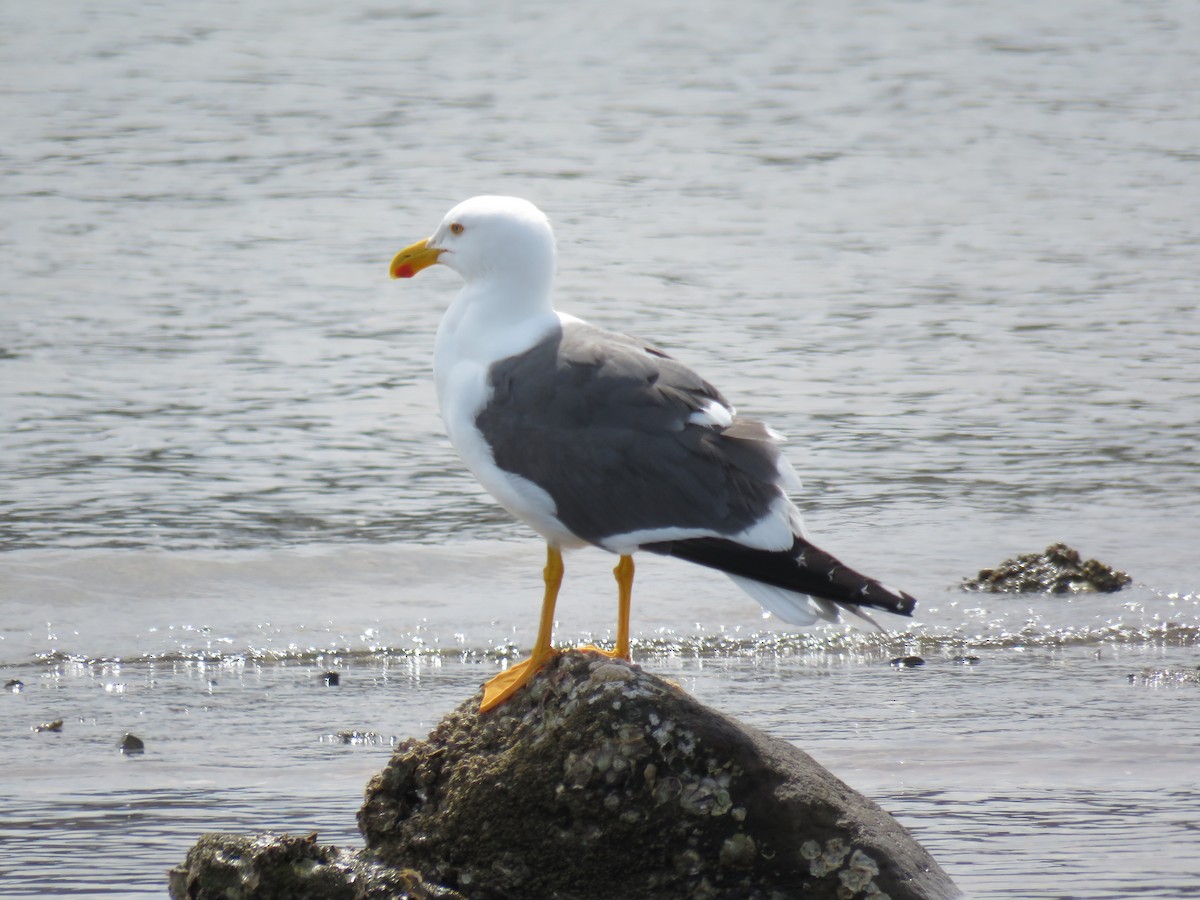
column 457, row 228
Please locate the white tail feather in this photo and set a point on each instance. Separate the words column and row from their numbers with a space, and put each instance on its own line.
column 793, row 608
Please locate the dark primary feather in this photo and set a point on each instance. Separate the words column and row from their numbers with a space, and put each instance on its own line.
column 805, row 569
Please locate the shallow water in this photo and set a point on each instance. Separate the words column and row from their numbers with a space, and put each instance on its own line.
column 950, row 251
column 1030, row 754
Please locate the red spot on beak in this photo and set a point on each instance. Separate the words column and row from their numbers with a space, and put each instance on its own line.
column 405, row 271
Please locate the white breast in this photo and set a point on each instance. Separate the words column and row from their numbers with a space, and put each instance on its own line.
column 468, row 344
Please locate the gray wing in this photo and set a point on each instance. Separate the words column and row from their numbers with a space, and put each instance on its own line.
column 602, row 422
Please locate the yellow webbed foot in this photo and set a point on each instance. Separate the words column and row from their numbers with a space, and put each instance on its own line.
column 512, row 679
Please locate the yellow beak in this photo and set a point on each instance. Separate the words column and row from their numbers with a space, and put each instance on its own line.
column 411, row 260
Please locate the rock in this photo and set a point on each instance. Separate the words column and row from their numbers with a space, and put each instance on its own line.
column 908, row 662
column 290, row 867
column 600, row 781
column 1059, row 570
column 131, row 744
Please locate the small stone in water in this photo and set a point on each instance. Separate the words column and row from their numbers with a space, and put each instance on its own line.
column 907, row 662
column 131, row 743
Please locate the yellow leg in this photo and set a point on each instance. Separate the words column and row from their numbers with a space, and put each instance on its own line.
column 624, row 573
column 512, row 679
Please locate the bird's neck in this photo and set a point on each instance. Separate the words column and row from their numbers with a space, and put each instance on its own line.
column 489, row 322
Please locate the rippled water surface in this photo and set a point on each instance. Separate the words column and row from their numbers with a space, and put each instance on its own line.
column 949, row 249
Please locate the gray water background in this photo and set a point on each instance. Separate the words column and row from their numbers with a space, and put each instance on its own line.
column 949, row 249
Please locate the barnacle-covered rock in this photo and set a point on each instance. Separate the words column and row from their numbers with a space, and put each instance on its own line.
column 600, row 781
column 1058, row 570
column 291, row 867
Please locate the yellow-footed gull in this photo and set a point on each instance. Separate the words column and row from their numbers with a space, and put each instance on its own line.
column 593, row 437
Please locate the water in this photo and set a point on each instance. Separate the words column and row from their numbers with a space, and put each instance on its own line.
column 949, row 249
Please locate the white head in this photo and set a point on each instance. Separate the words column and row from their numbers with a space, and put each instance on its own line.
column 505, row 240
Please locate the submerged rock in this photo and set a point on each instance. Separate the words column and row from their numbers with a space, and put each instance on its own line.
column 1059, row 570
column 290, row 867
column 600, row 781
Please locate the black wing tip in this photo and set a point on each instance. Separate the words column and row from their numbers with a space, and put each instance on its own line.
column 791, row 571
column 898, row 603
